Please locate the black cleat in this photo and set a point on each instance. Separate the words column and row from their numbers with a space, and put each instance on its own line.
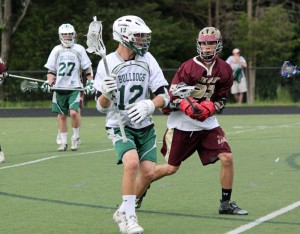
column 227, row 207
column 138, row 203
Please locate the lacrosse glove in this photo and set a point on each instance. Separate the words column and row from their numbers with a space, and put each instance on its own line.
column 89, row 87
column 46, row 87
column 195, row 110
column 138, row 111
column 108, row 85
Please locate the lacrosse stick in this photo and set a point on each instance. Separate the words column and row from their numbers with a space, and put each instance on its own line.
column 95, row 45
column 288, row 70
column 6, row 75
column 182, row 90
column 30, row 85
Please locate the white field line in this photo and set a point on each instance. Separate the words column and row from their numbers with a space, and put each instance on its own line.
column 59, row 156
column 265, row 218
column 52, row 157
column 258, row 128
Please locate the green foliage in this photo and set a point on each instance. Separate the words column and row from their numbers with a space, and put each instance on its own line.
column 268, row 39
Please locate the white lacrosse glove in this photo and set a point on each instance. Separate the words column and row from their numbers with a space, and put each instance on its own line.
column 108, row 85
column 137, row 112
column 46, row 88
column 89, row 87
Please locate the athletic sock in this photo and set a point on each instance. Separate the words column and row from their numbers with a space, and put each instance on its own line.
column 63, row 137
column 76, row 132
column 226, row 194
column 129, row 205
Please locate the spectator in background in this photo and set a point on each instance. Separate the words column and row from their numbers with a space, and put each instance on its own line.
column 238, row 63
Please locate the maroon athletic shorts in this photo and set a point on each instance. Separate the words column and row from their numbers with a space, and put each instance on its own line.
column 179, row 145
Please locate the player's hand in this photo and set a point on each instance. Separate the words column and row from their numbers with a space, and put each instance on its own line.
column 46, row 87
column 137, row 112
column 195, row 110
column 173, row 106
column 108, row 85
column 89, row 87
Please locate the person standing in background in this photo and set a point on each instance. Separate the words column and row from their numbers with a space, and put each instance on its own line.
column 238, row 64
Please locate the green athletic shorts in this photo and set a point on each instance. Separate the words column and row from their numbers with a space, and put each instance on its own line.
column 63, row 101
column 143, row 140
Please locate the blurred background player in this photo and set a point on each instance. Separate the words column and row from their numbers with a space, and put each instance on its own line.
column 89, row 82
column 65, row 64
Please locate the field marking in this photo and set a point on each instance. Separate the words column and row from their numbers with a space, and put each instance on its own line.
column 265, row 218
column 59, row 156
column 52, row 157
column 258, row 128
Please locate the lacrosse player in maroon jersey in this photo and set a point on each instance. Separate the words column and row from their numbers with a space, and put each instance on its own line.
column 198, row 90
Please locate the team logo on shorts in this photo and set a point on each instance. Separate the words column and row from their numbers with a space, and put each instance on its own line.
column 221, row 140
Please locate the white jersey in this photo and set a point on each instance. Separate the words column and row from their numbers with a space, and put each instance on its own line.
column 179, row 120
column 67, row 64
column 134, row 79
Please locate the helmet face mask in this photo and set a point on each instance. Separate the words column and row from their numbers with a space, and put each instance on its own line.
column 209, row 44
column 67, row 35
column 133, row 33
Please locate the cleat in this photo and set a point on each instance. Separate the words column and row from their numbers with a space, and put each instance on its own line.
column 75, row 143
column 58, row 139
column 227, row 207
column 62, row 147
column 120, row 219
column 132, row 226
column 139, row 201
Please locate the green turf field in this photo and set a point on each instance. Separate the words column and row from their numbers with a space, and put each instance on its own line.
column 43, row 191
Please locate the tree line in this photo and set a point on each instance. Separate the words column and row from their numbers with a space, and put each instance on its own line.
column 266, row 31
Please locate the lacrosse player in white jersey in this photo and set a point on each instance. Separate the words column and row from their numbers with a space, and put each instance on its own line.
column 65, row 64
column 134, row 72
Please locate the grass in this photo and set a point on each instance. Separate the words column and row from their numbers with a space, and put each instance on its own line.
column 77, row 192
column 91, row 104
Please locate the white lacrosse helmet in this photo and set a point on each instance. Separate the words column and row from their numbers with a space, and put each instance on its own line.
column 133, row 33
column 206, row 35
column 67, row 35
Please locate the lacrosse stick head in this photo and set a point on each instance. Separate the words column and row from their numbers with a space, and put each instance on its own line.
column 287, row 69
column 3, row 73
column 182, row 90
column 133, row 33
column 94, row 39
column 28, row 86
column 2, row 66
column 67, row 35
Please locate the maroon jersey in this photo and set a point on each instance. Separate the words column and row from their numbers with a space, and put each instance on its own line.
column 211, row 84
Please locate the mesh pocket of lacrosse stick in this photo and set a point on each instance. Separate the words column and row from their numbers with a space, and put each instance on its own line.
column 287, row 69
column 28, row 86
column 94, row 38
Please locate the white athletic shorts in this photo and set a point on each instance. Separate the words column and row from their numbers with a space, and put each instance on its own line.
column 239, row 87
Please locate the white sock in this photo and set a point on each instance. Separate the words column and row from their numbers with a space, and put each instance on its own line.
column 64, row 137
column 76, row 132
column 129, row 205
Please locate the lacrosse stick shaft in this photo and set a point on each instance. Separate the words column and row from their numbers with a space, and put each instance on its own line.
column 96, row 45
column 66, row 89
column 26, row 78
column 117, row 111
